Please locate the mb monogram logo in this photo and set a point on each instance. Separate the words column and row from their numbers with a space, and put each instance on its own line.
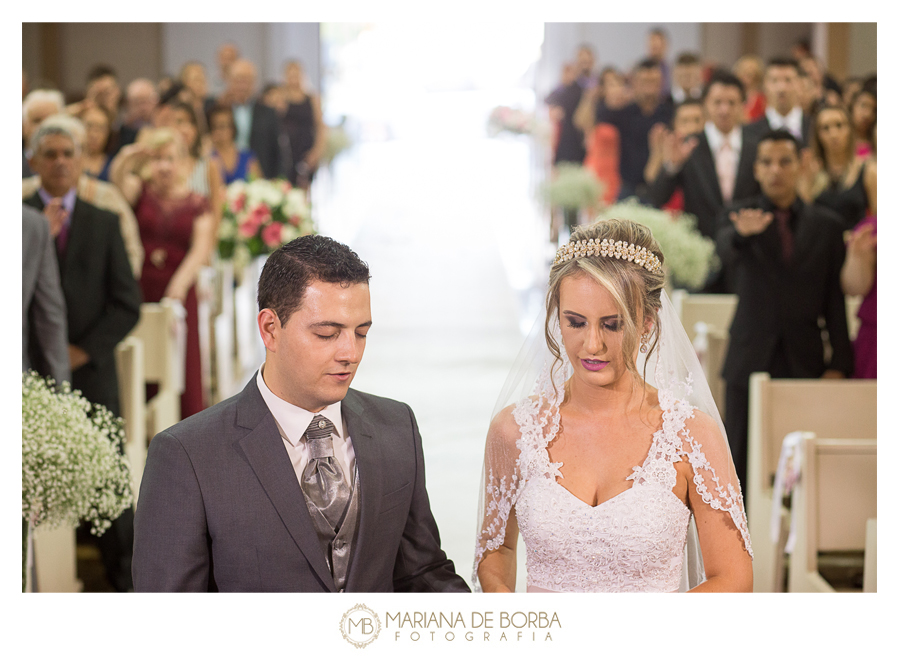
column 360, row 626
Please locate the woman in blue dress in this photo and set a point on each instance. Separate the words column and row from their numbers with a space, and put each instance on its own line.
column 235, row 164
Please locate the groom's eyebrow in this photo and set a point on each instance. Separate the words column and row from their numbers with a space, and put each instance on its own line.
column 337, row 325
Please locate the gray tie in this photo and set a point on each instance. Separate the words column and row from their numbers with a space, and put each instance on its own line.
column 323, row 481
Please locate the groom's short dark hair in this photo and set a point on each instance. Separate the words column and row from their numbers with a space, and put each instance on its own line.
column 292, row 267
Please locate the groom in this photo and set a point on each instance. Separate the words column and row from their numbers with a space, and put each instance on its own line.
column 298, row 483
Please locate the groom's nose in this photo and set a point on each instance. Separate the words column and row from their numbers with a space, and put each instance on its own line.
column 350, row 347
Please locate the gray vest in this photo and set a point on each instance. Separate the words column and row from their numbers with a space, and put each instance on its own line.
column 337, row 546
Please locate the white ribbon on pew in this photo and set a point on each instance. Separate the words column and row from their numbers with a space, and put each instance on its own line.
column 786, row 477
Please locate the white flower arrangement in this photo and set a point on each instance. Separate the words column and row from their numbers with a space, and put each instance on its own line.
column 72, row 469
column 689, row 256
column 573, row 187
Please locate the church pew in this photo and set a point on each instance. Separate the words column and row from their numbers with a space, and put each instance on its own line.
column 833, row 500
column 836, row 408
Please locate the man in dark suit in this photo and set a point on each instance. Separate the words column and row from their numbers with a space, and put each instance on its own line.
column 298, row 483
column 44, row 335
column 103, row 300
column 258, row 126
column 634, row 122
column 781, row 87
column 714, row 167
column 787, row 259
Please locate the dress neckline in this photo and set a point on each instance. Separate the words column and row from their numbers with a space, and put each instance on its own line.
column 635, row 470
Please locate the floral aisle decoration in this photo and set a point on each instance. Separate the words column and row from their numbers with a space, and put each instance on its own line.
column 511, row 120
column 573, row 188
column 689, row 256
column 260, row 216
column 72, row 467
column 336, row 142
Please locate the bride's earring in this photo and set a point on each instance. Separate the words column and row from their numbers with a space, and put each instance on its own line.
column 645, row 343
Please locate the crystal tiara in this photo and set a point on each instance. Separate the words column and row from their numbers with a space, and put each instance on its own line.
column 622, row 250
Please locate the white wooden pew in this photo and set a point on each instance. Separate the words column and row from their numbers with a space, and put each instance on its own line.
column 834, row 498
column 162, row 331
column 132, row 394
column 836, row 408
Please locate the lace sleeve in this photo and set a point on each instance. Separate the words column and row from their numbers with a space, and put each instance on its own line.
column 714, row 478
column 501, row 482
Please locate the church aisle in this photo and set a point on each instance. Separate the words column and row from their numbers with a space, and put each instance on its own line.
column 455, row 241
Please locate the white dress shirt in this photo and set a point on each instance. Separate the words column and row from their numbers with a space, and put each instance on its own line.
column 715, row 139
column 793, row 122
column 292, row 422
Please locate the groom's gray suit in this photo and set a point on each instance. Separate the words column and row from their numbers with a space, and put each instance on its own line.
column 220, row 507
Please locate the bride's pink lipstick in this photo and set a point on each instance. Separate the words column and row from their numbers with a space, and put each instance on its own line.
column 593, row 364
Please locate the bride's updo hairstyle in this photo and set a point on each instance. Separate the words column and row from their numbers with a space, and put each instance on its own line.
column 635, row 290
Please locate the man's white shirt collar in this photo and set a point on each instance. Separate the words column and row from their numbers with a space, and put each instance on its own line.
column 292, row 420
column 716, row 139
column 793, row 122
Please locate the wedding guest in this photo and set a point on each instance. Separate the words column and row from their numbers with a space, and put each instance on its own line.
column 688, row 120
column 863, row 113
column 787, row 257
column 634, row 122
column 102, row 89
column 715, row 167
column 833, row 175
column 602, row 139
column 205, row 175
column 141, row 98
column 801, row 49
column 749, row 70
column 178, row 232
column 227, row 54
column 584, row 65
column 568, row 139
column 44, row 331
column 808, row 95
column 303, row 124
column 235, row 164
column 859, row 277
column 193, row 77
column 103, row 300
column 258, row 126
column 687, row 78
column 657, row 48
column 105, row 196
column 98, row 146
column 37, row 106
column 851, row 86
column 781, row 85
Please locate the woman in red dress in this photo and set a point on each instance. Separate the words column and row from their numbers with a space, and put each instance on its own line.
column 177, row 231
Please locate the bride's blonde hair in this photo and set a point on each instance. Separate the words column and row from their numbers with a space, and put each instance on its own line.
column 635, row 290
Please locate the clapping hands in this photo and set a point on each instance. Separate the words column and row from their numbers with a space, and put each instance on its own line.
column 750, row 221
column 675, row 149
column 862, row 243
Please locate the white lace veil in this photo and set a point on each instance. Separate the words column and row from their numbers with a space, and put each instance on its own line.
column 535, row 386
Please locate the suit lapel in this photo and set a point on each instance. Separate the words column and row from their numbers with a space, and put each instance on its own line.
column 265, row 452
column 707, row 165
column 368, row 464
column 79, row 240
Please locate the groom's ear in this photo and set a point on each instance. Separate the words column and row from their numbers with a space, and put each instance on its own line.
column 269, row 328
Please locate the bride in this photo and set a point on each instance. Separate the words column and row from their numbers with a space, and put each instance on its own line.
column 612, row 460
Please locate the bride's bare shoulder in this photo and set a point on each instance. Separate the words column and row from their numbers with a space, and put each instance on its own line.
column 504, row 426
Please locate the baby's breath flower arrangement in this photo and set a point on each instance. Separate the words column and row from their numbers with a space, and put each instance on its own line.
column 72, row 469
column 574, row 187
column 689, row 256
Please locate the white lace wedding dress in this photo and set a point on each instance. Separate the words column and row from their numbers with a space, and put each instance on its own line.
column 641, row 540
